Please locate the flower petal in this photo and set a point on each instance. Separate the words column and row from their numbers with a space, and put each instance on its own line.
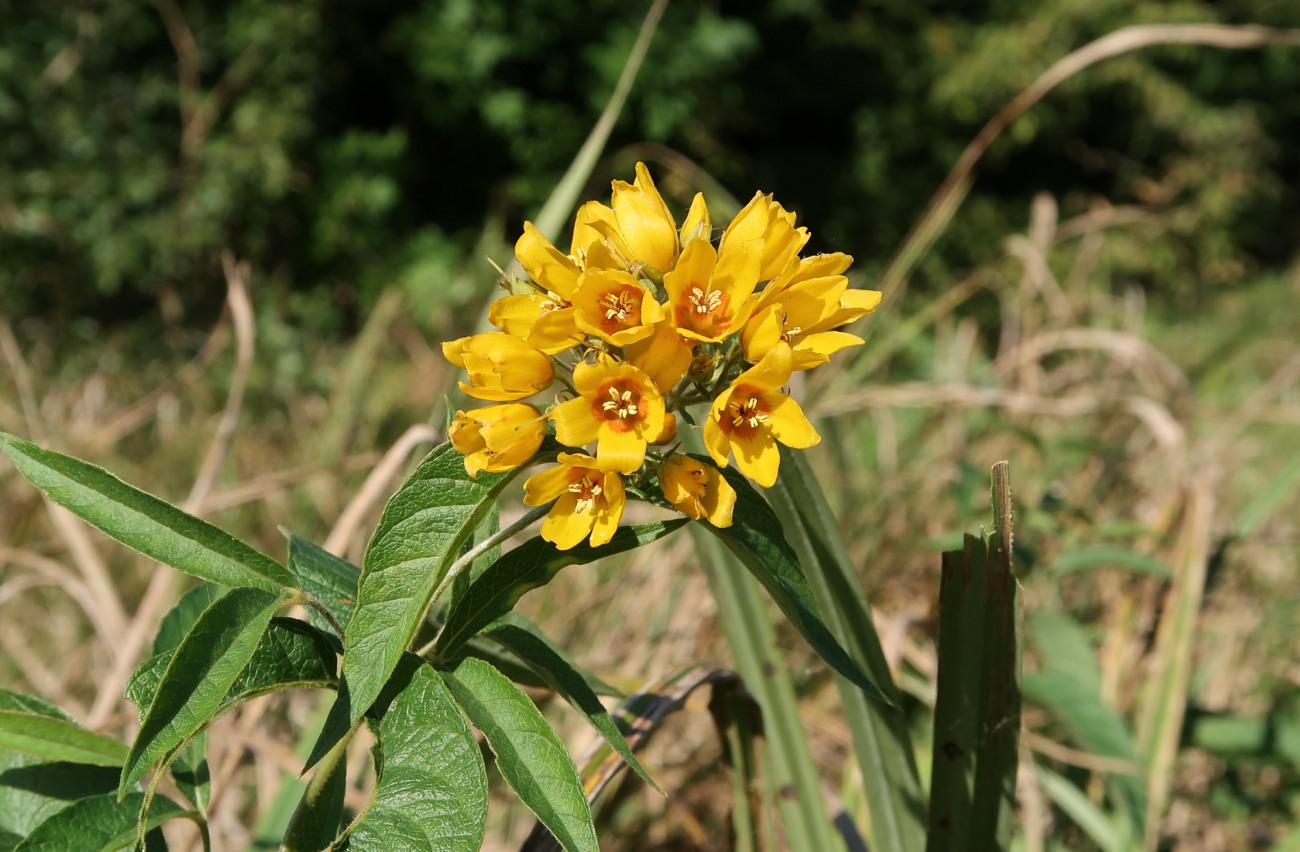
column 565, row 526
column 770, row 373
column 542, row 488
column 621, row 450
column 788, row 424
column 575, row 425
column 757, row 456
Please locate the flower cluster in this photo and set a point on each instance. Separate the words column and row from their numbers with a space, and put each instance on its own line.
column 639, row 321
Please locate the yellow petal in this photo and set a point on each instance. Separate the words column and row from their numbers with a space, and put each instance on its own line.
column 664, row 356
column 621, row 449
column 761, row 333
column 575, row 425
column 715, row 440
column 697, row 224
column 565, row 526
column 815, row 349
column 542, row 488
column 789, row 425
column 609, row 511
column 757, row 456
column 719, row 499
column 771, row 372
column 647, row 227
column 544, row 262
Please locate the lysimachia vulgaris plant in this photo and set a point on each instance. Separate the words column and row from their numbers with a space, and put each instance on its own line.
column 646, row 338
column 638, row 322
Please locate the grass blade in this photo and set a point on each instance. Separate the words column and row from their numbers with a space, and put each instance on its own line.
column 977, row 708
column 881, row 740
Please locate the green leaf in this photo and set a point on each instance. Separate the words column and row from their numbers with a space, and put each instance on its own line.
column 529, row 754
column 881, row 739
column 516, row 669
column 180, row 618
column 329, row 579
column 199, row 675
column 99, row 824
column 561, row 676
column 432, row 791
column 1076, row 805
column 977, row 705
column 314, row 823
column 755, row 537
column 58, row 739
column 290, row 654
column 529, row 566
column 1069, row 687
column 421, row 532
column 1109, row 556
column 33, row 788
column 152, row 526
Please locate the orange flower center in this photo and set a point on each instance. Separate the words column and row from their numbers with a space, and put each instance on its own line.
column 587, row 490
column 618, row 305
column 704, row 301
column 749, row 414
column 621, row 403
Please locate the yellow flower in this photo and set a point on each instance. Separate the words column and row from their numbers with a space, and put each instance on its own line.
column 614, row 307
column 500, row 367
column 547, row 319
column 590, row 500
column 618, row 406
column 748, row 418
column 799, row 317
column 697, row 224
column 637, row 229
column 497, row 438
column 762, row 218
column 709, row 293
column 802, row 306
column 697, row 490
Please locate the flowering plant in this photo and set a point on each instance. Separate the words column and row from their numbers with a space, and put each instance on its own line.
column 638, row 322
column 648, row 332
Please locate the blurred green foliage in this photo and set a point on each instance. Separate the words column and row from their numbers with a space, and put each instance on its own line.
column 347, row 147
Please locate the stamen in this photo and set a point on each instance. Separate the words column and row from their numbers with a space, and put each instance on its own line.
column 748, row 414
column 587, row 492
column 704, row 302
column 621, row 404
column 618, row 306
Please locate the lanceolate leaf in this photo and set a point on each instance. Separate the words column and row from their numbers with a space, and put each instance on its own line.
column 565, row 680
column 432, row 788
column 291, row 654
column 419, row 536
column 516, row 669
column 154, row 527
column 200, row 674
column 529, row 566
column 755, row 538
column 180, row 618
column 58, row 739
column 529, row 754
column 31, row 788
column 99, row 823
column 331, row 580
